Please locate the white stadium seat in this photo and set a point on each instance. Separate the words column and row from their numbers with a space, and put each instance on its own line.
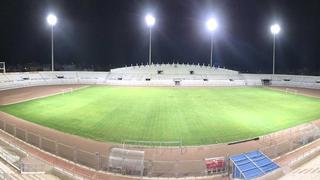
column 155, row 75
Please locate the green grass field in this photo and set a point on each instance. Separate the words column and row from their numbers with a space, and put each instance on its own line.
column 194, row 115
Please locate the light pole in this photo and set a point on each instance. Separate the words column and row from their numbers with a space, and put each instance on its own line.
column 150, row 21
column 52, row 21
column 212, row 26
column 275, row 29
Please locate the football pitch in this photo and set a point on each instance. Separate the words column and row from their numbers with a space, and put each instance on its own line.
column 195, row 116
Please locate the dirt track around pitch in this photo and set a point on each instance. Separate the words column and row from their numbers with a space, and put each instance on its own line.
column 12, row 96
column 301, row 91
column 166, row 154
column 188, row 153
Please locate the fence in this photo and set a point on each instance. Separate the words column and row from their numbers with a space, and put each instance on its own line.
column 19, row 159
column 71, row 153
column 279, row 143
column 175, row 168
column 292, row 164
column 11, row 155
column 26, row 164
column 305, row 156
column 272, row 145
column 97, row 161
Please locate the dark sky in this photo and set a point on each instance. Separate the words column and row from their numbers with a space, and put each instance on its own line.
column 112, row 32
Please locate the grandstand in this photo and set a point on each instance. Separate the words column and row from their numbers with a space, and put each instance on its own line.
column 157, row 75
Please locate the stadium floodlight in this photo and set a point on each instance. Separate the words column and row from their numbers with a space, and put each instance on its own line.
column 212, row 26
column 275, row 29
column 52, row 21
column 150, row 21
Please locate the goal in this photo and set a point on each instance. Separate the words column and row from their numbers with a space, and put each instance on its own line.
column 67, row 90
column 292, row 91
column 3, row 67
column 159, row 145
column 138, row 144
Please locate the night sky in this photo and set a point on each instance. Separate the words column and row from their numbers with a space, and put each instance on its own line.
column 112, row 33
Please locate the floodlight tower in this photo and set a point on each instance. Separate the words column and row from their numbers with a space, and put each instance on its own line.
column 212, row 26
column 52, row 21
column 275, row 29
column 150, row 21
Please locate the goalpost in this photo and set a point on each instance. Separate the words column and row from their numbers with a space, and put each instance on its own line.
column 292, row 91
column 135, row 143
column 68, row 90
column 3, row 67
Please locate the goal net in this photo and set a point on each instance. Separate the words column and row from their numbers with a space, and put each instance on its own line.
column 140, row 144
column 67, row 90
column 292, row 91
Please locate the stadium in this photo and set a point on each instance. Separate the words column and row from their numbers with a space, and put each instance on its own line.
column 88, row 115
column 91, row 118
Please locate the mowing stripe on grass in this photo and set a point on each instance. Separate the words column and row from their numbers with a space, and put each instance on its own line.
column 194, row 115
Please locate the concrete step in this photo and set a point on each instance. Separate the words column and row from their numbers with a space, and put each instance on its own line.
column 40, row 177
column 16, row 176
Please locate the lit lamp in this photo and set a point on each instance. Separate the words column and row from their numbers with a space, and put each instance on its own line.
column 275, row 29
column 52, row 21
column 150, row 21
column 212, row 26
